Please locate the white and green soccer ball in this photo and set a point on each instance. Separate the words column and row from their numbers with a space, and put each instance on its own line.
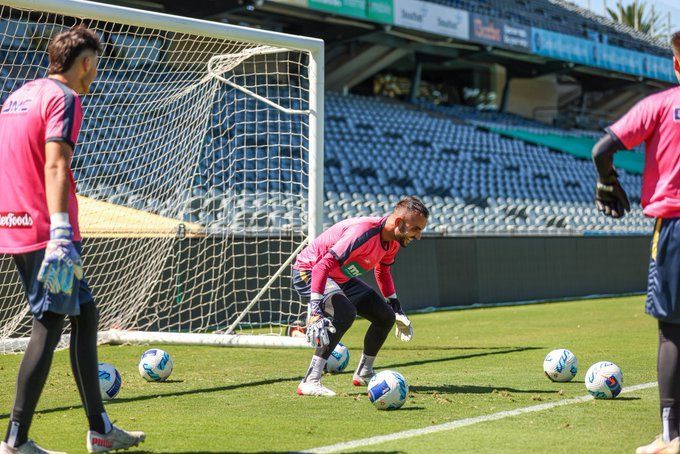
column 338, row 360
column 604, row 380
column 109, row 381
column 155, row 365
column 560, row 365
column 387, row 390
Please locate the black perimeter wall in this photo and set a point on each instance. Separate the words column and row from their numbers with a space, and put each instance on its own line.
column 444, row 272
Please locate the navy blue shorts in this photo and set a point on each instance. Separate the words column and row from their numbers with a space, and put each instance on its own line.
column 28, row 266
column 357, row 292
column 663, row 288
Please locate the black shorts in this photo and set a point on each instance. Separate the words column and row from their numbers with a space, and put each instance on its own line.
column 28, row 266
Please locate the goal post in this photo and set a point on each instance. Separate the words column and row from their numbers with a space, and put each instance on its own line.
column 199, row 170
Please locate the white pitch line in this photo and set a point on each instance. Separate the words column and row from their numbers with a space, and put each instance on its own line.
column 452, row 425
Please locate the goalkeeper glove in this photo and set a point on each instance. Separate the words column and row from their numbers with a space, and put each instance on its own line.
column 62, row 261
column 610, row 197
column 318, row 326
column 404, row 329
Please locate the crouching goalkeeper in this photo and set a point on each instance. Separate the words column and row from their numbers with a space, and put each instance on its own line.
column 325, row 275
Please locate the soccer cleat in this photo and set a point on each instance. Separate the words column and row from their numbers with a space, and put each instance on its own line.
column 116, row 439
column 658, row 446
column 362, row 380
column 314, row 388
column 30, row 447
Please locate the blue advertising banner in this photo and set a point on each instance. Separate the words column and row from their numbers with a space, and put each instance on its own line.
column 602, row 55
column 497, row 32
column 563, row 47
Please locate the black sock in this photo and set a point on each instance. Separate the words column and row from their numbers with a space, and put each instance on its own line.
column 83, row 351
column 16, row 435
column 33, row 371
column 97, row 424
column 669, row 379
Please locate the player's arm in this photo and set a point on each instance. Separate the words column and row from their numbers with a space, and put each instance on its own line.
column 57, row 183
column 318, row 325
column 383, row 276
column 61, row 263
column 630, row 131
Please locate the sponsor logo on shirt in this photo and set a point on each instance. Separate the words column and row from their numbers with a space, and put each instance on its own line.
column 676, row 114
column 352, row 270
column 16, row 106
column 11, row 220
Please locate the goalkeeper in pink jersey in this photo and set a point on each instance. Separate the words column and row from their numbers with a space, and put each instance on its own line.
column 325, row 275
column 39, row 127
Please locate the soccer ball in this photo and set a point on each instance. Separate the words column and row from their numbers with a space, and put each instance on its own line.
column 155, row 365
column 560, row 365
column 338, row 360
column 387, row 390
column 604, row 380
column 109, row 381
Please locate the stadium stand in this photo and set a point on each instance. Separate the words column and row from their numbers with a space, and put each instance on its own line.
column 475, row 181
column 564, row 17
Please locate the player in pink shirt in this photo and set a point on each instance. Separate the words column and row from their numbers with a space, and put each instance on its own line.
column 39, row 126
column 326, row 273
column 654, row 121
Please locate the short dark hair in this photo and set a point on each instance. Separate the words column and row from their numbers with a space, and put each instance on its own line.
column 64, row 48
column 412, row 204
column 675, row 43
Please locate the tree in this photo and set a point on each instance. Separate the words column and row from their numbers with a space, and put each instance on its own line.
column 640, row 17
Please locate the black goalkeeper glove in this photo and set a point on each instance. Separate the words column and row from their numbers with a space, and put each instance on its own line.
column 610, row 197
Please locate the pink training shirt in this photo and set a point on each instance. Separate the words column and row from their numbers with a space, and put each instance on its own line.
column 44, row 110
column 349, row 249
column 656, row 121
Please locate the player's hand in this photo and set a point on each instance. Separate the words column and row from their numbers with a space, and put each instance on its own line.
column 404, row 329
column 610, row 197
column 318, row 328
column 61, row 263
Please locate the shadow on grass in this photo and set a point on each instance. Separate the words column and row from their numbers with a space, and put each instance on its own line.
column 473, row 389
column 187, row 392
column 279, row 380
column 419, row 362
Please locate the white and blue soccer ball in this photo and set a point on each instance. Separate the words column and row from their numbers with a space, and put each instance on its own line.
column 109, row 381
column 560, row 365
column 338, row 360
column 155, row 365
column 604, row 380
column 388, row 390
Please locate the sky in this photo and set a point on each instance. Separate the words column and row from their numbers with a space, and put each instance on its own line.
column 665, row 6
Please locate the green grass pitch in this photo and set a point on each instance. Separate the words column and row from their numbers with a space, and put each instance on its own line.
column 460, row 364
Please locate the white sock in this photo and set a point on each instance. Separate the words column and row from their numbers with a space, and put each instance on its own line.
column 107, row 423
column 365, row 365
column 315, row 369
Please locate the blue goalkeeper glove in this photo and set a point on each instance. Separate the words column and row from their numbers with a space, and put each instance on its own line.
column 318, row 326
column 61, row 263
column 404, row 329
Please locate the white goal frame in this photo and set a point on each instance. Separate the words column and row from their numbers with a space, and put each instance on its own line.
column 315, row 49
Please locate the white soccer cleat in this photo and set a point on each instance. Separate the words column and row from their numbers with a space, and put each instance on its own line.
column 116, row 439
column 362, row 380
column 30, row 447
column 314, row 388
column 658, row 446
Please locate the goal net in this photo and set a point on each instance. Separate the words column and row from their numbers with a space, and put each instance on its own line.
column 198, row 170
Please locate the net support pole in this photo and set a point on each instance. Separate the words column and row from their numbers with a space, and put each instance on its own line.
column 316, row 151
column 266, row 287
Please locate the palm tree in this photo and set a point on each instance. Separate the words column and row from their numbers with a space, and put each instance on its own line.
column 638, row 16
